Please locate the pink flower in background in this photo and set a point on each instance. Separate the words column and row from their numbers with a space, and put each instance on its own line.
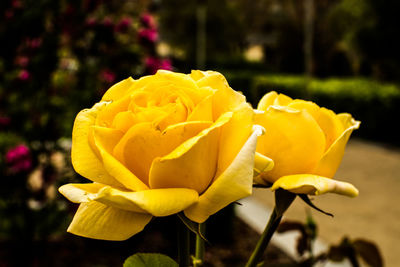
column 148, row 35
column 19, row 159
column 148, row 21
column 166, row 64
column 153, row 64
column 91, row 22
column 107, row 75
column 107, row 22
column 16, row 4
column 16, row 153
column 123, row 25
column 22, row 61
column 24, row 75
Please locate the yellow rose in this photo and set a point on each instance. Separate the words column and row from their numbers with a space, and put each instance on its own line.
column 157, row 146
column 305, row 142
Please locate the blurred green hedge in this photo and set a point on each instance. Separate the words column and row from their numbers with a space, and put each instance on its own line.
column 375, row 104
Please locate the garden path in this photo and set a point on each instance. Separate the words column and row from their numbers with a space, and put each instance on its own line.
column 374, row 215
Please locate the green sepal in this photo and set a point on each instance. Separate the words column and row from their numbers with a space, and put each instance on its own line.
column 268, row 185
column 283, row 199
column 193, row 226
column 149, row 259
column 307, row 200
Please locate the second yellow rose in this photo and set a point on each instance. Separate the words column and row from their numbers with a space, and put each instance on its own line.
column 306, row 143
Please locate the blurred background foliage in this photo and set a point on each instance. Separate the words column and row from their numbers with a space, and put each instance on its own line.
column 58, row 57
column 351, row 37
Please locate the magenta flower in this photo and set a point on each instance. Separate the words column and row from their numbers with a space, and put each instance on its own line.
column 166, row 64
column 19, row 159
column 107, row 75
column 153, row 64
column 107, row 22
column 148, row 35
column 24, row 75
column 123, row 25
column 91, row 22
column 147, row 20
column 22, row 61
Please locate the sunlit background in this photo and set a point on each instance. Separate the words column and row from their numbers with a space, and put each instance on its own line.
column 58, row 57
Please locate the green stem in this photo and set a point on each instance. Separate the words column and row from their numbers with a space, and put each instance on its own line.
column 200, row 247
column 183, row 245
column 263, row 242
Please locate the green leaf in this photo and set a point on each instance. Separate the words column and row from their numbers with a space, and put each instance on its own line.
column 307, row 200
column 149, row 259
column 369, row 252
column 311, row 226
column 193, row 226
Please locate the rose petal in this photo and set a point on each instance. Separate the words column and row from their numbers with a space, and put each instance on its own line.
column 107, row 137
column 203, row 111
column 105, row 140
column 157, row 202
column 230, row 98
column 311, row 107
column 192, row 164
column 347, row 120
column 185, row 82
column 84, row 159
column 326, row 119
column 282, row 100
column 233, row 135
column 197, row 74
column 214, row 80
column 314, row 185
column 99, row 221
column 106, row 117
column 293, row 140
column 118, row 90
column 267, row 100
column 223, row 94
column 331, row 125
column 177, row 114
column 261, row 164
column 124, row 120
column 330, row 161
column 144, row 142
column 234, row 183
column 79, row 193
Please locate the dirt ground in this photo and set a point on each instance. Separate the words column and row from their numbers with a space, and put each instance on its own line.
column 374, row 215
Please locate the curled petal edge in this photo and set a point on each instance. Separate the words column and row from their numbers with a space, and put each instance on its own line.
column 99, row 221
column 331, row 159
column 314, row 185
column 233, row 184
column 157, row 202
